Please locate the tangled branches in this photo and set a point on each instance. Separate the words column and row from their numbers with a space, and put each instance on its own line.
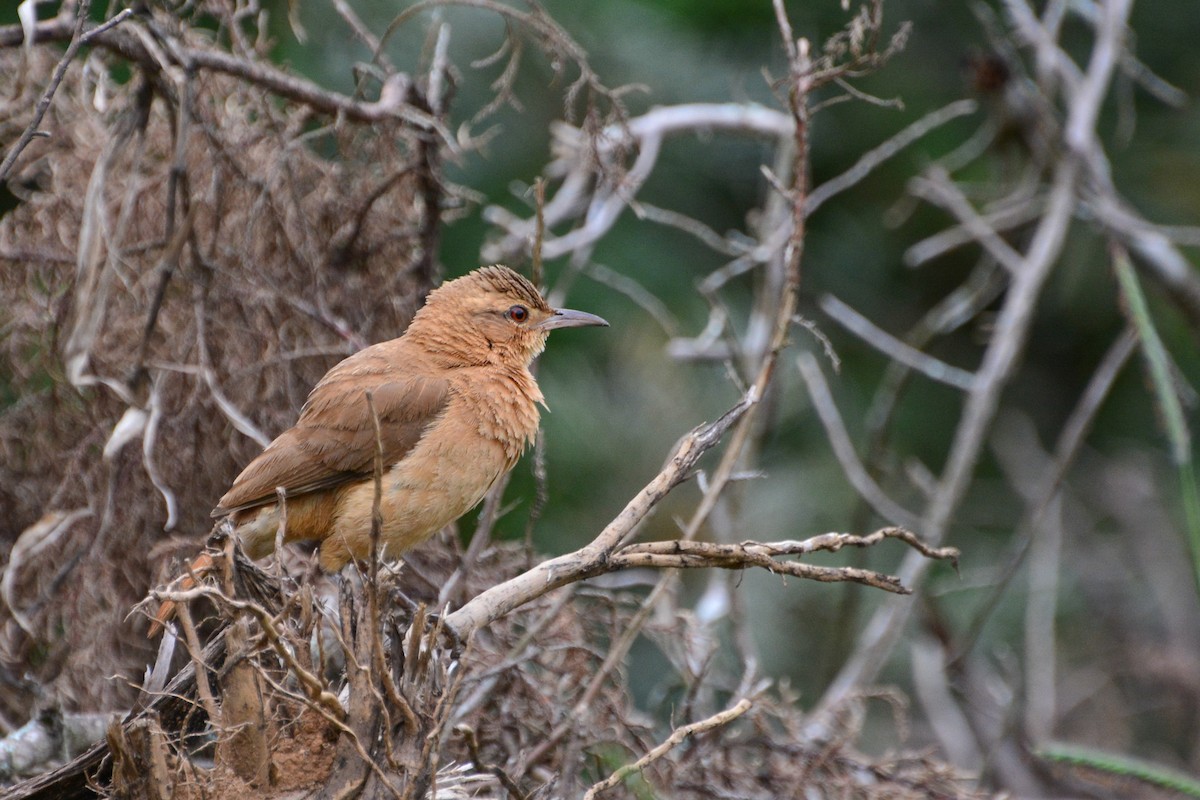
column 181, row 264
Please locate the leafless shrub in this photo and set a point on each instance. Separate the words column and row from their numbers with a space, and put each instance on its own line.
column 408, row 717
column 183, row 262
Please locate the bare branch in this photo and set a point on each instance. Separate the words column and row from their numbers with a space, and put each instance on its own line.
column 590, row 561
column 927, row 365
column 79, row 37
column 1010, row 216
column 839, row 438
column 888, row 149
column 999, row 363
column 392, row 103
column 677, row 737
column 643, row 134
column 936, row 187
column 680, row 554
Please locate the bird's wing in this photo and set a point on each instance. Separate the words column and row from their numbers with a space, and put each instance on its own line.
column 334, row 440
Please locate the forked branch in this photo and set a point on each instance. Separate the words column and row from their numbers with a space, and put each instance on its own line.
column 609, row 552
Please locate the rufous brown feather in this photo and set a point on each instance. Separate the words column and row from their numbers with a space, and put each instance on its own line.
column 456, row 406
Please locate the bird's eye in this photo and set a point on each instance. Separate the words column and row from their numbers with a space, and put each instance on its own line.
column 517, row 313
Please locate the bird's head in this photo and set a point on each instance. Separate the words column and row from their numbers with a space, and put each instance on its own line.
column 491, row 315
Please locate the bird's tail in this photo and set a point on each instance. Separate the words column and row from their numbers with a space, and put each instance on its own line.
column 200, row 566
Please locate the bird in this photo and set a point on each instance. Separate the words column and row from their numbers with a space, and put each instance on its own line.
column 452, row 405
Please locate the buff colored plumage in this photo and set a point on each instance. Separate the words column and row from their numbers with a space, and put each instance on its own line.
column 456, row 405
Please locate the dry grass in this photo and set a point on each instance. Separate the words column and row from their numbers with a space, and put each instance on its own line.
column 306, row 240
column 426, row 719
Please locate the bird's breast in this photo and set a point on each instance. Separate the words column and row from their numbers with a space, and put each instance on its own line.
column 504, row 408
column 483, row 430
column 481, row 435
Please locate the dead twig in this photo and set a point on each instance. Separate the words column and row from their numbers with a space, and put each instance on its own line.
column 681, row 554
column 677, row 737
column 898, row 351
column 314, row 687
column 885, row 151
column 392, row 102
column 839, row 438
column 1000, row 361
column 590, row 560
column 80, row 35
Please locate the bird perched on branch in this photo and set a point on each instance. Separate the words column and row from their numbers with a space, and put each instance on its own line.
column 454, row 404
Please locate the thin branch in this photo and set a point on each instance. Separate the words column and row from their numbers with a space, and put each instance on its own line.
column 195, row 651
column 692, row 226
column 79, row 37
column 883, row 631
column 240, row 421
column 679, row 554
column 364, row 34
column 922, row 362
column 149, row 439
column 643, row 297
column 880, row 153
column 480, row 763
column 677, row 737
column 956, row 309
column 1010, row 216
column 839, row 439
column 392, row 102
column 643, row 134
column 936, row 187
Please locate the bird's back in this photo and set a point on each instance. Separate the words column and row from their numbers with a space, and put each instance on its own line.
column 334, row 440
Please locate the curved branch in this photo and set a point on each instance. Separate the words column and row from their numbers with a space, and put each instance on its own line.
column 594, row 559
column 393, row 100
column 608, row 554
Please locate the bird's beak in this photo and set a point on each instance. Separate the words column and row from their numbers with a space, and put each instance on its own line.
column 569, row 318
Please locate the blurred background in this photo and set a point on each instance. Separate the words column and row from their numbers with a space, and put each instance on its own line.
column 1125, row 667
column 1128, row 668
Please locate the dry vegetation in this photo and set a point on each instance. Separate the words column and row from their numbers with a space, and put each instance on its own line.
column 202, row 234
column 171, row 239
column 170, row 235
